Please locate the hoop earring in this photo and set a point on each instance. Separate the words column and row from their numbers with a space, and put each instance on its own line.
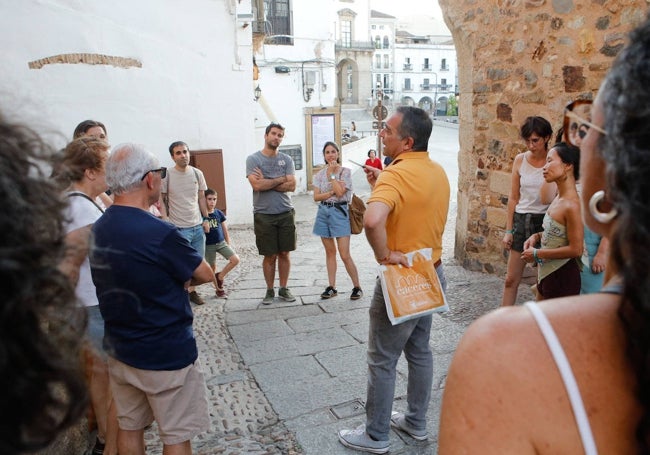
column 599, row 216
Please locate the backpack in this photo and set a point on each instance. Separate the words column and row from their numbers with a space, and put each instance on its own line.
column 356, row 209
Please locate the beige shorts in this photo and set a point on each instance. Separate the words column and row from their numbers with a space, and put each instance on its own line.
column 176, row 399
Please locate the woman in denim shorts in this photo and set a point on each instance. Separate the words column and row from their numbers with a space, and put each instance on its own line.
column 526, row 207
column 333, row 190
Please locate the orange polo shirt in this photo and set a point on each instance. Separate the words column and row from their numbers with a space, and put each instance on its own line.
column 416, row 189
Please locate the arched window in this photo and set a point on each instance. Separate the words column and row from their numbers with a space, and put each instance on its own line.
column 386, row 42
column 377, row 42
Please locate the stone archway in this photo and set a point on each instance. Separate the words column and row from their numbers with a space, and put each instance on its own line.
column 407, row 101
column 347, row 72
column 537, row 56
column 426, row 103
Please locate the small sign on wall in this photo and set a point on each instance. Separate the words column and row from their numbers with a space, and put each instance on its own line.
column 295, row 152
column 322, row 130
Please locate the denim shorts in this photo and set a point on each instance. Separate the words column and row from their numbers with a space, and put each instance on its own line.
column 196, row 237
column 332, row 221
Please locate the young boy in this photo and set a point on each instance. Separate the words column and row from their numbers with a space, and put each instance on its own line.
column 217, row 240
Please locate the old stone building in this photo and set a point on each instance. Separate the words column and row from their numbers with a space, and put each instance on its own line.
column 518, row 58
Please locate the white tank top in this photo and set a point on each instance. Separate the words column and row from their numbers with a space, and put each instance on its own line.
column 530, row 183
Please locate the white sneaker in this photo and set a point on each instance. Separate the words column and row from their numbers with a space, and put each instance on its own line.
column 358, row 439
column 398, row 422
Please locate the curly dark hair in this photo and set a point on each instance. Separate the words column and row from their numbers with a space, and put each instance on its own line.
column 625, row 98
column 42, row 388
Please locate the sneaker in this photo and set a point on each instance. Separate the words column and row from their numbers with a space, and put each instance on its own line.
column 358, row 439
column 357, row 293
column 99, row 447
column 268, row 298
column 329, row 293
column 219, row 281
column 398, row 421
column 286, row 295
column 222, row 294
column 196, row 298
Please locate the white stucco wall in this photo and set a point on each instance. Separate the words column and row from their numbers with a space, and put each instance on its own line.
column 282, row 95
column 195, row 83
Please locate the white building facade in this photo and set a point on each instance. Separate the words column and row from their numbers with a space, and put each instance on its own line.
column 412, row 70
column 153, row 71
column 295, row 57
column 426, row 74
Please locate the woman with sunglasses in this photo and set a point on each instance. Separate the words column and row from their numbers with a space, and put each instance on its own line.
column 570, row 375
column 525, row 207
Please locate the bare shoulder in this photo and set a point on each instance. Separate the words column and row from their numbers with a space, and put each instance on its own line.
column 504, row 393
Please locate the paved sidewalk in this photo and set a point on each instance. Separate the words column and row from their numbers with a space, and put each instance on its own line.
column 299, row 369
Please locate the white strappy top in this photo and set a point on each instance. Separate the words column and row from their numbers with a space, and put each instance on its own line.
column 567, row 377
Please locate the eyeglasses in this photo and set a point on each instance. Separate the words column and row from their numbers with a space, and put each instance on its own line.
column 162, row 170
column 575, row 124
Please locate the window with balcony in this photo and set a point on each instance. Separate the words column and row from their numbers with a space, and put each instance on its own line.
column 426, row 66
column 377, row 42
column 407, row 64
column 425, row 84
column 278, row 14
column 443, row 84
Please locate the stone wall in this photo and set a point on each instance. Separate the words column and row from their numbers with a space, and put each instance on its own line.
column 519, row 58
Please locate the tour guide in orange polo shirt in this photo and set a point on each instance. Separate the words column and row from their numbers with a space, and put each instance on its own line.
column 407, row 211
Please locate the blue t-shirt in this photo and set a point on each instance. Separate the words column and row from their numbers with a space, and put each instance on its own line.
column 139, row 266
column 216, row 231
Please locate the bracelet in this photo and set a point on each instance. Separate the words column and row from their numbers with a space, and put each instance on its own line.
column 537, row 259
column 510, row 231
column 205, row 218
column 381, row 261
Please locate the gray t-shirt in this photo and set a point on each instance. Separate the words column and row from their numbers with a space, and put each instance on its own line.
column 270, row 202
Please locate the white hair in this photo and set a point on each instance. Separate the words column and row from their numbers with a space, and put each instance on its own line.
column 126, row 165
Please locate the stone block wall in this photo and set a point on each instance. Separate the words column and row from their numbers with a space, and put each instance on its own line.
column 519, row 58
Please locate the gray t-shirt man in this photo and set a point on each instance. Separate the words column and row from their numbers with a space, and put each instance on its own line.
column 271, row 202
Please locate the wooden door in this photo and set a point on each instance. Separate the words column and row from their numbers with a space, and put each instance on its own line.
column 211, row 164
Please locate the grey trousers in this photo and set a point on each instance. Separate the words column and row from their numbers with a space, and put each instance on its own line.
column 386, row 342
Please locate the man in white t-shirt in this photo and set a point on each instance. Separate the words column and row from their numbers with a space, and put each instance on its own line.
column 183, row 202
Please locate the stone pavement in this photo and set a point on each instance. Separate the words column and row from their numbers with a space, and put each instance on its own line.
column 284, row 378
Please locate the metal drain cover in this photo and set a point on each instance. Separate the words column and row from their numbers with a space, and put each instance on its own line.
column 349, row 409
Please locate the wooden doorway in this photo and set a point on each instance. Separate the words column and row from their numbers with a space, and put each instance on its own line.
column 211, row 164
